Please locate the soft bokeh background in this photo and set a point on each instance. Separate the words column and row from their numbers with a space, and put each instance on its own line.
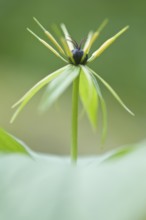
column 24, row 61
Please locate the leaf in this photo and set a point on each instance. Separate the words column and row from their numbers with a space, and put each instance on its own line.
column 112, row 92
column 120, row 152
column 58, row 86
column 10, row 144
column 55, row 189
column 25, row 99
column 89, row 96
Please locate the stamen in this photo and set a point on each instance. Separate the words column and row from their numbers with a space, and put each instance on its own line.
column 47, row 45
column 50, row 36
column 66, row 34
column 74, row 42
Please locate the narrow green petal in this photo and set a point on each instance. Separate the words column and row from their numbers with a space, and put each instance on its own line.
column 50, row 36
column 57, row 30
column 106, row 44
column 112, row 92
column 89, row 96
column 56, row 88
column 102, row 26
column 67, row 50
column 93, row 36
column 87, row 45
column 62, row 40
column 47, row 45
column 67, row 36
column 103, row 108
column 88, row 41
column 25, row 99
column 68, row 45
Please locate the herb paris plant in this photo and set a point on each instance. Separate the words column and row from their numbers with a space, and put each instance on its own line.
column 76, row 72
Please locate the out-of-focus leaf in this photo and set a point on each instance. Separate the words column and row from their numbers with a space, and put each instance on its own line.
column 120, row 152
column 25, row 99
column 89, row 96
column 55, row 189
column 58, row 86
column 10, row 144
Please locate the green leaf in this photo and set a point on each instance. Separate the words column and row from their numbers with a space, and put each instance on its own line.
column 56, row 190
column 58, row 86
column 25, row 99
column 112, row 92
column 89, row 96
column 10, row 144
column 120, row 152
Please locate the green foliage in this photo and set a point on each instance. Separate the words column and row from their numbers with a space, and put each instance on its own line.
column 9, row 144
column 59, row 85
column 89, row 96
column 25, row 99
column 108, row 187
column 111, row 90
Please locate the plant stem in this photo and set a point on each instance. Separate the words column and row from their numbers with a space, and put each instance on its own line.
column 74, row 141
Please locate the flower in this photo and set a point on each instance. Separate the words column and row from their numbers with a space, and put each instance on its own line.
column 76, row 70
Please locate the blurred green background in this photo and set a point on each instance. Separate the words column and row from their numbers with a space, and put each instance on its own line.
column 24, row 61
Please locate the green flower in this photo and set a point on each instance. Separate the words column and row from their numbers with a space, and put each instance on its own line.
column 76, row 72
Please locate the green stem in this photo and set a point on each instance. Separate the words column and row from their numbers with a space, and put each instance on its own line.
column 74, row 141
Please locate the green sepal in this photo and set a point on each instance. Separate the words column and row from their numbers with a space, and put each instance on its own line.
column 26, row 98
column 116, row 96
column 89, row 96
column 103, row 109
column 57, row 87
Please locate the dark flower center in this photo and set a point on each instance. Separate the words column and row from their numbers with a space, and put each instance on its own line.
column 77, row 56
